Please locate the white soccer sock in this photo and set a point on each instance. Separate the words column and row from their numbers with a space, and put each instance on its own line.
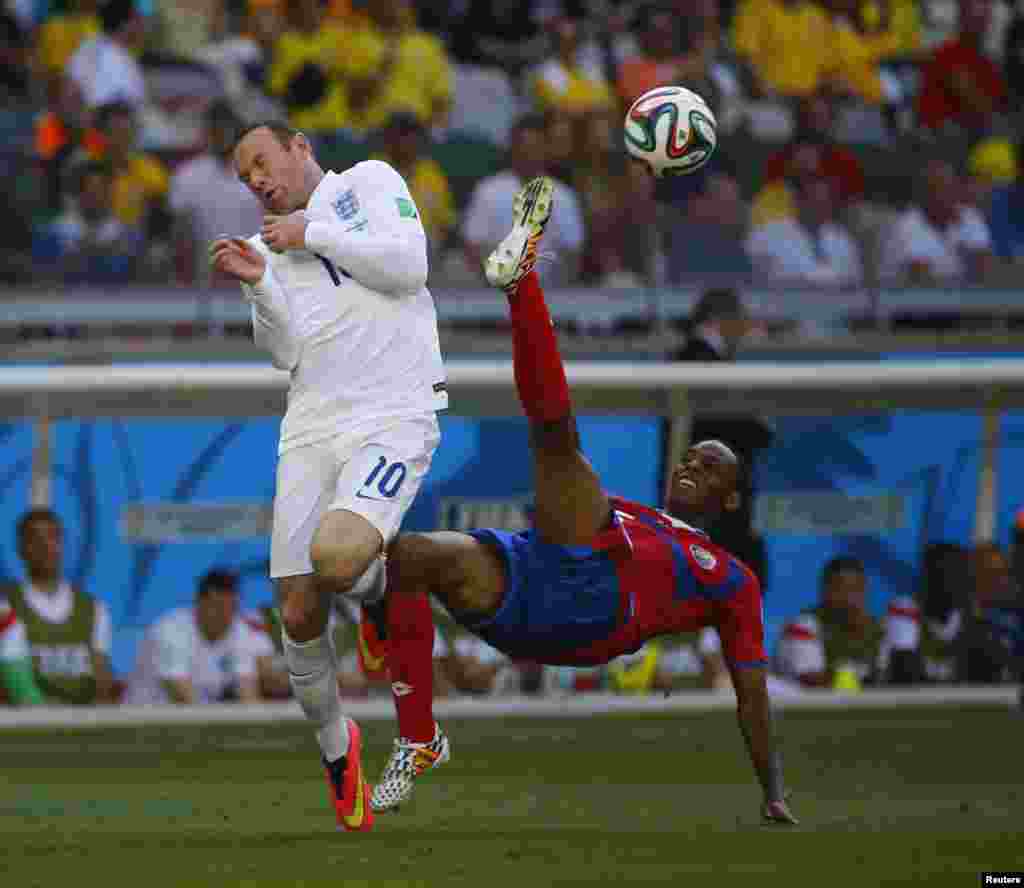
column 313, row 675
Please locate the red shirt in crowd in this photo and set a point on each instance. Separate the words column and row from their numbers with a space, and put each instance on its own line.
column 834, row 162
column 937, row 103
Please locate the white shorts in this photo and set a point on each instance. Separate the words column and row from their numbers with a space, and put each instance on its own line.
column 376, row 471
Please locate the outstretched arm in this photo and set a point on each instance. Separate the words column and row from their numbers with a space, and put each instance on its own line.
column 754, row 712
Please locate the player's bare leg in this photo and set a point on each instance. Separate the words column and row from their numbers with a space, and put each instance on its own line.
column 344, row 545
column 571, row 506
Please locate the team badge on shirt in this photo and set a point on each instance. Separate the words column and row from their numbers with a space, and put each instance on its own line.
column 703, row 557
column 406, row 208
column 346, row 205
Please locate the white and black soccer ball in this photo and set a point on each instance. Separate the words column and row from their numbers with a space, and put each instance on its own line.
column 672, row 130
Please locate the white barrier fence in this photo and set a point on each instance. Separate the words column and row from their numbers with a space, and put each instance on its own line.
column 579, row 706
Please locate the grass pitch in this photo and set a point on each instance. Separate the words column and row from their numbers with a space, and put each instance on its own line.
column 928, row 796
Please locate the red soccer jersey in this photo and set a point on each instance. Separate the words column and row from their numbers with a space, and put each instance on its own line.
column 673, row 579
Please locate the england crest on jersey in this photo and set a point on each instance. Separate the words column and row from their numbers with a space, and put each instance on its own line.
column 346, row 205
column 703, row 557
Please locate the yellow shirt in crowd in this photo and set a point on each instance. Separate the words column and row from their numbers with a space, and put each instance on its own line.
column 328, row 48
column 60, row 37
column 429, row 187
column 420, row 80
column 135, row 187
column 570, row 89
column 788, row 46
column 857, row 54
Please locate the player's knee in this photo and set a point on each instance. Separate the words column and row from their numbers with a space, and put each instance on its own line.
column 303, row 618
column 339, row 565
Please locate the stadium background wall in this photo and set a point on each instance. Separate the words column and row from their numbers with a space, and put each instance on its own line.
column 150, row 505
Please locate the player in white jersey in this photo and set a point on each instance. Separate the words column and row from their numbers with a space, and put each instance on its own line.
column 201, row 654
column 337, row 281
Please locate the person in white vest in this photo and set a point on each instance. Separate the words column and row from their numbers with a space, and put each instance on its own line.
column 337, row 280
column 206, row 653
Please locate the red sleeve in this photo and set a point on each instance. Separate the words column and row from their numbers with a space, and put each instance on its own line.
column 741, row 627
column 845, row 168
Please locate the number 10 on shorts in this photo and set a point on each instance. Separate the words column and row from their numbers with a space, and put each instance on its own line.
column 385, row 479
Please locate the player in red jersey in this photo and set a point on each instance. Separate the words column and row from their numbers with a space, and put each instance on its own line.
column 594, row 578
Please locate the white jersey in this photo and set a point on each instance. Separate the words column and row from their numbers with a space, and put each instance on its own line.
column 174, row 648
column 350, row 316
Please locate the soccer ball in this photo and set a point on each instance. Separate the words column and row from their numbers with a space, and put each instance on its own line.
column 672, row 130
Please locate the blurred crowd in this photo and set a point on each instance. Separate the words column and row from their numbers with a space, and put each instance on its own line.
column 861, row 142
column 966, row 625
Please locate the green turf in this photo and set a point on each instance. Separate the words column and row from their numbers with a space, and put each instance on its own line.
column 925, row 796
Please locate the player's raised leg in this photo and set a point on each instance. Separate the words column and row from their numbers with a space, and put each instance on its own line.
column 571, row 506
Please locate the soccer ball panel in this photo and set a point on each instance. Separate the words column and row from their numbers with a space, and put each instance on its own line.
column 672, row 130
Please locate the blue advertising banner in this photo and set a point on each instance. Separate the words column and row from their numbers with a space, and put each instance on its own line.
column 150, row 505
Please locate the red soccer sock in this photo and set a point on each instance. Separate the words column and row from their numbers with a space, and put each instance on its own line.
column 411, row 662
column 540, row 376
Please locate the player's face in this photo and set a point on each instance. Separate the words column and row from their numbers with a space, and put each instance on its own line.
column 275, row 173
column 42, row 548
column 705, row 481
column 216, row 610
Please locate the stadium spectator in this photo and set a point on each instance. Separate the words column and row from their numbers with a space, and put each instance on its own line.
column 69, row 632
column 564, row 83
column 718, row 326
column 836, row 644
column 307, row 69
column 14, row 71
column 692, row 661
column 992, row 164
column 991, row 646
column 201, row 654
column 18, row 685
column 940, row 239
column 63, row 135
column 620, row 211
column 864, row 36
column 812, row 153
column 403, row 145
column 476, row 668
column 1006, row 219
column 1013, row 58
column 182, row 28
column 785, row 46
column 87, row 243
column 707, row 238
column 60, row 36
column 139, row 190
column 207, row 198
column 945, row 592
column 486, row 219
column 960, row 84
column 394, row 66
column 270, row 665
column 813, row 247
column 499, row 34
column 104, row 66
column 565, row 139
column 660, row 59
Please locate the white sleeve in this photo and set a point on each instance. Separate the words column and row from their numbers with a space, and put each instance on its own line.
column 179, row 195
column 272, row 321
column 377, row 237
column 102, row 630
column 801, row 651
column 257, row 642
column 13, row 640
column 973, row 233
column 171, row 651
column 246, row 654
